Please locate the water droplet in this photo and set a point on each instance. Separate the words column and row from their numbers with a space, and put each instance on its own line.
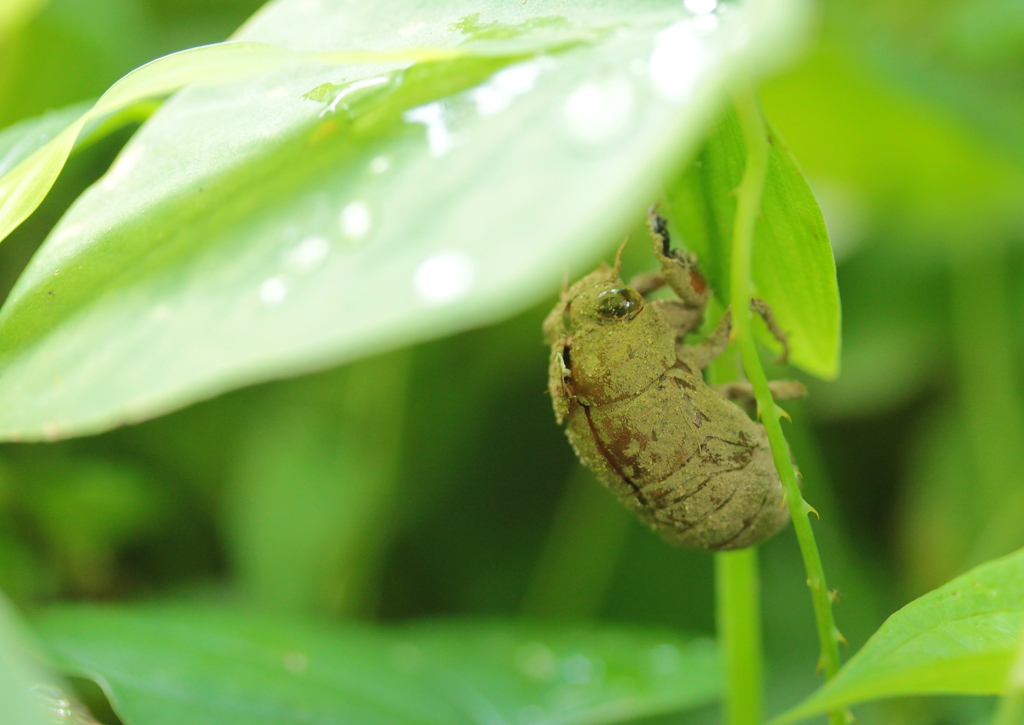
column 308, row 254
column 123, row 166
column 273, row 290
column 61, row 708
column 700, row 7
column 599, row 111
column 444, row 277
column 677, row 60
column 536, row 660
column 355, row 220
column 665, row 658
column 352, row 88
column 577, row 669
column 504, row 86
column 380, row 164
column 295, row 662
column 440, row 139
column 411, row 29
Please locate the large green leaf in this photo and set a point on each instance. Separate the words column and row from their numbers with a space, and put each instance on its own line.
column 960, row 638
column 321, row 212
column 214, row 668
column 793, row 268
column 18, row 675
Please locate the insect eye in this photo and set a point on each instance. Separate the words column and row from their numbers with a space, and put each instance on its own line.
column 619, row 303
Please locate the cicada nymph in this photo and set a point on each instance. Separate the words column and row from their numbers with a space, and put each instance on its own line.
column 628, row 388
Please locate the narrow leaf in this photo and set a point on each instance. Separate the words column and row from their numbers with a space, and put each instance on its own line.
column 24, row 187
column 24, row 138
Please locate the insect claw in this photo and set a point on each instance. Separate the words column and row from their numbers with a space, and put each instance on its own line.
column 618, row 255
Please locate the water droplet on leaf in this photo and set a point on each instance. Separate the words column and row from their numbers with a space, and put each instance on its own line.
column 308, row 254
column 273, row 290
column 444, row 277
column 355, row 220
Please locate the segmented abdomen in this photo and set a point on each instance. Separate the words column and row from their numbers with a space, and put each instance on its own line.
column 692, row 465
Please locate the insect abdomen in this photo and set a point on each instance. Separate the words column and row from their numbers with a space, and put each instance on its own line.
column 692, row 465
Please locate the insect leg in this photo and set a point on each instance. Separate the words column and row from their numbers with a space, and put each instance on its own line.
column 648, row 282
column 718, row 340
column 761, row 307
column 679, row 268
column 684, row 320
column 700, row 356
column 743, row 393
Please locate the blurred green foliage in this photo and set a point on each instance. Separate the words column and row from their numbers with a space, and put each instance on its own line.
column 433, row 481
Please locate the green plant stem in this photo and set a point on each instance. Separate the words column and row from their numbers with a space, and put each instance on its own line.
column 748, row 204
column 738, row 615
column 738, row 605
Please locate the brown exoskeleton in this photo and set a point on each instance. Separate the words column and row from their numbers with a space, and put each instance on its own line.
column 689, row 461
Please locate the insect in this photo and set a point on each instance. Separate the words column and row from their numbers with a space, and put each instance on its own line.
column 628, row 389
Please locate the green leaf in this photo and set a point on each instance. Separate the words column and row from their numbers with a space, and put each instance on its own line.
column 14, row 14
column 24, row 138
column 793, row 267
column 250, row 231
column 18, row 675
column 25, row 186
column 213, row 668
column 958, row 639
